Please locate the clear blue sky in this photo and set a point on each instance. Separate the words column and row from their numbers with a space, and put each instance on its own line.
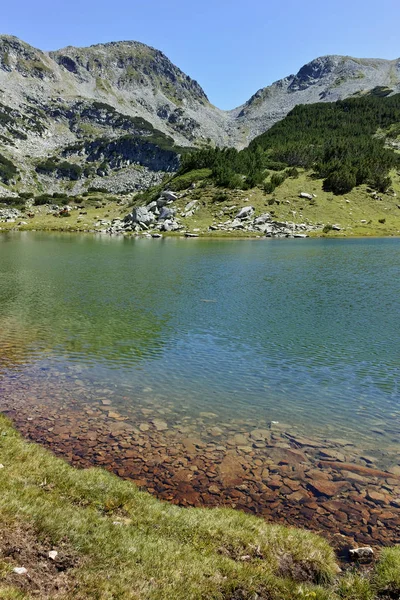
column 231, row 48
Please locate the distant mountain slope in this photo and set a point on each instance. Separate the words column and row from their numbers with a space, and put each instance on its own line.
column 118, row 115
column 326, row 79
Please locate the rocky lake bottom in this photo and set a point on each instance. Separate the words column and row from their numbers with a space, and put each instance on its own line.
column 260, row 376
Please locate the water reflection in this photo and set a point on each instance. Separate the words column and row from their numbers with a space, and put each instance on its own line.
column 305, row 333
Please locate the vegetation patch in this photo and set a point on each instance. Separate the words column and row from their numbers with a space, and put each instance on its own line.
column 338, row 142
column 62, row 169
column 8, row 171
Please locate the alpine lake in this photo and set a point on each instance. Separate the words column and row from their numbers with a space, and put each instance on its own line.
column 258, row 374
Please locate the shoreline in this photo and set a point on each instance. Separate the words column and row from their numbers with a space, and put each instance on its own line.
column 281, row 476
column 87, row 533
column 192, row 236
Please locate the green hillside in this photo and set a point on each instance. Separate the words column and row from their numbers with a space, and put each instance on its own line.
column 344, row 143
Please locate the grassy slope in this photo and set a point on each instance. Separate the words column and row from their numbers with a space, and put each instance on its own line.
column 126, row 544
column 325, row 209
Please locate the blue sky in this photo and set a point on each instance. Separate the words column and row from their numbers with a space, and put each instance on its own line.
column 231, row 48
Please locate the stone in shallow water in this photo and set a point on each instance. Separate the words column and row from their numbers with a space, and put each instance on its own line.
column 332, row 455
column 323, row 487
column 159, row 424
column 231, row 471
column 260, row 435
column 377, row 497
column 290, row 456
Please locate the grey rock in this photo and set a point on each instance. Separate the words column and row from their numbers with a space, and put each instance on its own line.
column 142, row 215
column 262, row 219
column 153, row 207
column 306, row 195
column 245, row 212
column 336, row 228
column 166, row 213
column 169, row 196
column 7, row 214
column 161, row 201
column 169, row 225
column 191, row 205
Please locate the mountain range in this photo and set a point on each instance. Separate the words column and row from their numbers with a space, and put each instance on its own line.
column 117, row 116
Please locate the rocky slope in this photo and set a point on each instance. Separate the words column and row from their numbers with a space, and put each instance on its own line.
column 117, row 116
column 325, row 79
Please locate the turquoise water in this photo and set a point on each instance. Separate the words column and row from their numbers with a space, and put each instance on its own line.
column 304, row 332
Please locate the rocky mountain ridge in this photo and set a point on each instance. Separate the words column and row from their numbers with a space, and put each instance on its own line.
column 117, row 116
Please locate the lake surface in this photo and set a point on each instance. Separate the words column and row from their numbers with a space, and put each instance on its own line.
column 208, row 333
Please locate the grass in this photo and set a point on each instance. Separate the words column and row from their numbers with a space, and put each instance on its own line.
column 116, row 542
column 127, row 544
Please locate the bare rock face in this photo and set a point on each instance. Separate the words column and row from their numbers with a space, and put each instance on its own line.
column 116, row 116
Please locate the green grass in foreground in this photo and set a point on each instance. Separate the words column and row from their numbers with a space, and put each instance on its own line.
column 123, row 543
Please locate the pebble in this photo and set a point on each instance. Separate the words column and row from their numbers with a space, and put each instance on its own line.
column 20, row 570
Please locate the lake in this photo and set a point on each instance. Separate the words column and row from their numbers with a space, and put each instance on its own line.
column 159, row 359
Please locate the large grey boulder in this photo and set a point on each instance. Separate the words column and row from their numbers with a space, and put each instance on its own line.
column 169, row 196
column 262, row 219
column 166, row 213
column 161, row 201
column 169, row 225
column 141, row 215
column 153, row 207
column 306, row 195
column 245, row 212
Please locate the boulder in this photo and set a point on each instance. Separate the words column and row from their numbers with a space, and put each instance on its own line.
column 141, row 215
column 231, row 472
column 245, row 212
column 169, row 225
column 169, row 196
column 161, row 202
column 262, row 219
column 166, row 213
column 306, row 195
column 323, row 487
column 152, row 206
column 190, row 205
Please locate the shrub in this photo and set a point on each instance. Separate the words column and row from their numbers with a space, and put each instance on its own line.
column 380, row 182
column 8, row 170
column 292, row 172
column 220, row 197
column 327, row 228
column 383, row 221
column 339, row 182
